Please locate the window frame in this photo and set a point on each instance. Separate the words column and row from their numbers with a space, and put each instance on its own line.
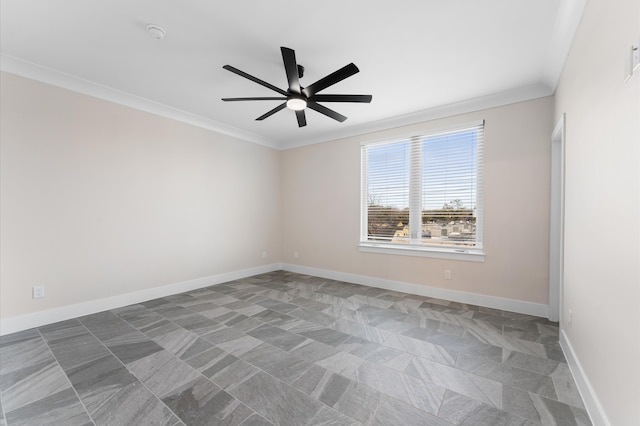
column 475, row 253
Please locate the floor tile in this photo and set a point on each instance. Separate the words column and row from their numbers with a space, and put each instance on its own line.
column 158, row 327
column 60, row 331
column 21, row 352
column 557, row 413
column 107, row 326
column 174, row 312
column 288, row 349
column 256, row 420
column 390, row 325
column 132, row 405
column 460, row 410
column 359, row 402
column 200, row 402
column 376, row 313
column 542, row 410
column 273, row 317
column 162, row 372
column 322, row 384
column 78, row 350
column 245, row 308
column 314, row 351
column 313, row 315
column 277, row 337
column 415, row 392
column 436, row 326
column 466, row 344
column 33, row 382
column 202, row 305
column 521, row 379
column 328, row 417
column 276, row 362
column 394, row 412
column 298, row 326
column 216, row 313
column 20, row 336
column 496, row 339
column 245, row 324
column 422, row 349
column 327, row 336
column 277, row 305
column 535, row 364
column 276, row 401
column 178, row 341
column 476, row 387
column 195, row 347
column 61, row 408
column 565, row 386
column 198, row 324
column 99, row 381
column 342, row 363
column 133, row 351
column 222, row 368
column 240, row 346
column 155, row 303
column 363, row 331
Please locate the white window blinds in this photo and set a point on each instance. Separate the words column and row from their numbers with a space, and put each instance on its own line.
column 424, row 191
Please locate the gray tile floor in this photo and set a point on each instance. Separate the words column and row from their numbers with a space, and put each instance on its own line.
column 288, row 349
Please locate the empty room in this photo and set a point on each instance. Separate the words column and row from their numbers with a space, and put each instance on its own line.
column 320, row 213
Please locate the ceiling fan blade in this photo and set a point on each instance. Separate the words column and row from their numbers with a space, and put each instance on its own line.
column 254, row 79
column 302, row 119
column 326, row 111
column 254, row 99
column 291, row 67
column 273, row 111
column 341, row 98
column 330, row 80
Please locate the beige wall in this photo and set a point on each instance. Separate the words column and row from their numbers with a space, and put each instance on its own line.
column 321, row 208
column 98, row 199
column 602, row 270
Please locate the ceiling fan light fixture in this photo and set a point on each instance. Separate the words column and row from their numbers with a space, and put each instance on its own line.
column 296, row 104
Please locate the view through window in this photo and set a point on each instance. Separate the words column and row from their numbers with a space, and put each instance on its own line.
column 424, row 191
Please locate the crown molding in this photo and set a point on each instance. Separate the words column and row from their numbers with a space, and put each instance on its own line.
column 494, row 100
column 53, row 77
column 564, row 30
column 566, row 24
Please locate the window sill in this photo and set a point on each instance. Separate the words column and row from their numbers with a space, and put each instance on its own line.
column 444, row 253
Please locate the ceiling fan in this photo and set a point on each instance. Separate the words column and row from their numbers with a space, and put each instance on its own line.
column 299, row 98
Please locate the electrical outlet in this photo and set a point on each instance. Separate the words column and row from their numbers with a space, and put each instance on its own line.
column 264, row 254
column 38, row 292
column 295, row 254
column 570, row 318
column 447, row 274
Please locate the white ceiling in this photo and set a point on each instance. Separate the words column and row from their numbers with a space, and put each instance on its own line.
column 418, row 58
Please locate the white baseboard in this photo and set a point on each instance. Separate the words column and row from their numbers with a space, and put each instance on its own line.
column 591, row 401
column 502, row 303
column 37, row 319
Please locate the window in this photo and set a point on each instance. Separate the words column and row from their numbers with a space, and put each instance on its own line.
column 424, row 193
